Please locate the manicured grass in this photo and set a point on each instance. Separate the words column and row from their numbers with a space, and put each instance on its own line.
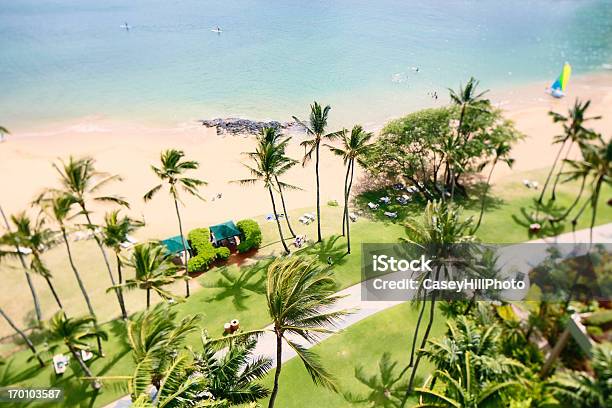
column 237, row 291
column 360, row 344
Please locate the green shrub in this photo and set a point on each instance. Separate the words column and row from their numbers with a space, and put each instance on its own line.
column 205, row 252
column 602, row 318
column 594, row 330
column 332, row 203
column 223, row 253
column 251, row 235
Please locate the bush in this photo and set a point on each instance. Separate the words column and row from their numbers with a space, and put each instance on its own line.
column 332, row 203
column 251, row 235
column 223, row 253
column 602, row 319
column 205, row 252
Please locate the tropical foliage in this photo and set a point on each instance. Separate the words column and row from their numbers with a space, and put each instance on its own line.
column 172, row 172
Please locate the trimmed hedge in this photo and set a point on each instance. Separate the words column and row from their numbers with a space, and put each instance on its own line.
column 223, row 253
column 206, row 253
column 251, row 235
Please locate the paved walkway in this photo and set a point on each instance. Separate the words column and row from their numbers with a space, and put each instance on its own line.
column 266, row 345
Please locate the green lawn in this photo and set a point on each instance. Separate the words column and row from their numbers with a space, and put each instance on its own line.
column 237, row 291
column 360, row 344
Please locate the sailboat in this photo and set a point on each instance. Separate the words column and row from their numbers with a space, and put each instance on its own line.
column 557, row 89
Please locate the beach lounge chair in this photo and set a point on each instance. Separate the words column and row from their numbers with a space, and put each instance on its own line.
column 86, row 355
column 60, row 363
column 402, row 200
column 372, row 205
column 391, row 214
column 385, row 200
column 398, row 186
column 311, row 216
column 353, row 217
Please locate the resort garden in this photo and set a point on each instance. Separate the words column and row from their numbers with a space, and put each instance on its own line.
column 249, row 314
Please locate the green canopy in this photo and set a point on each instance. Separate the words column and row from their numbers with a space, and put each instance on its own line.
column 174, row 245
column 224, row 231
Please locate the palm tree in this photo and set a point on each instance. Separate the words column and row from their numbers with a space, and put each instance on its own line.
column 26, row 270
column 25, row 338
column 270, row 162
column 465, row 390
column 466, row 97
column 155, row 334
column 171, row 172
column 273, row 137
column 501, row 154
column 354, row 146
column 233, row 376
column 59, row 205
column 316, row 130
column 574, row 132
column 35, row 238
column 595, row 166
column 81, row 181
column 578, row 388
column 115, row 232
column 75, row 333
column 153, row 269
column 299, row 295
column 440, row 229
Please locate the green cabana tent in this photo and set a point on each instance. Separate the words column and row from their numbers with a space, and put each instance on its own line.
column 174, row 245
column 224, row 231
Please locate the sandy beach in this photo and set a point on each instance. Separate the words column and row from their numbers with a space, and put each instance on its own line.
column 128, row 149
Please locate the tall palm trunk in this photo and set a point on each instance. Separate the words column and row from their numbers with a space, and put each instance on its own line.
column 484, row 195
column 95, row 384
column 120, row 277
column 346, row 200
column 106, row 262
column 318, row 194
column 148, row 298
column 27, row 274
column 550, row 173
column 280, row 230
column 277, row 371
column 80, row 282
column 23, row 336
column 55, row 296
column 178, row 216
column 280, row 190
column 416, row 333
column 344, row 212
column 432, row 310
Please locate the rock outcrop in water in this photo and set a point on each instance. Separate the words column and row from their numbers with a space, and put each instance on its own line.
column 235, row 126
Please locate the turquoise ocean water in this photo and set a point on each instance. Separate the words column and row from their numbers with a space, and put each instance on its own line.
column 64, row 59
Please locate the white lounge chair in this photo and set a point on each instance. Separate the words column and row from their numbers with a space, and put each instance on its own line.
column 391, row 214
column 353, row 217
column 129, row 242
column 372, row 205
column 385, row 200
column 86, row 355
column 60, row 363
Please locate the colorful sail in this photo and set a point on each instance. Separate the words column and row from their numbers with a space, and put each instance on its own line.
column 561, row 83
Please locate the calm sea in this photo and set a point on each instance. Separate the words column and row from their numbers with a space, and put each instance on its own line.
column 63, row 59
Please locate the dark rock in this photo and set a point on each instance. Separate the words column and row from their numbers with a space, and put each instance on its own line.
column 236, row 126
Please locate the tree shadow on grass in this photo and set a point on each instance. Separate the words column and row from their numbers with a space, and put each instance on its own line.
column 332, row 247
column 240, row 285
column 9, row 376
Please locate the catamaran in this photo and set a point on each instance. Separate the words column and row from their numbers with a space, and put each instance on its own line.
column 557, row 89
